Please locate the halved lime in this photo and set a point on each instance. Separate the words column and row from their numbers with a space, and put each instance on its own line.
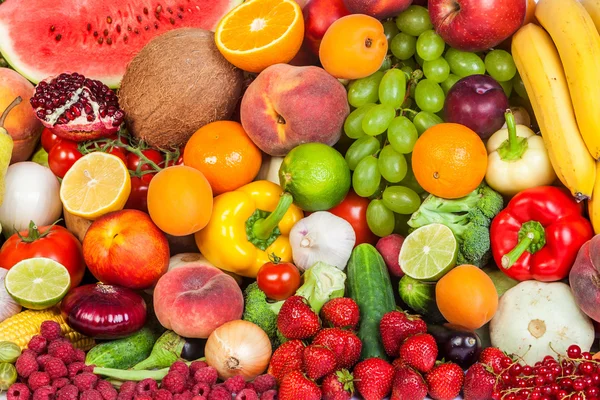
column 429, row 252
column 37, row 283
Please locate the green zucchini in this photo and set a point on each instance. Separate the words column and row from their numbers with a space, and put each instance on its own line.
column 124, row 353
column 370, row 287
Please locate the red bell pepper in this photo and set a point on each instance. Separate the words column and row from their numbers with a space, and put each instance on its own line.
column 538, row 234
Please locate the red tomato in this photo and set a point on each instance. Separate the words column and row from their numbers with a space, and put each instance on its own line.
column 138, row 198
column 354, row 210
column 51, row 241
column 278, row 280
column 153, row 155
column 62, row 157
column 49, row 139
column 119, row 152
column 179, row 161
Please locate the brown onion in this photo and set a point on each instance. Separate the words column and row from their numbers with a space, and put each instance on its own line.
column 238, row 348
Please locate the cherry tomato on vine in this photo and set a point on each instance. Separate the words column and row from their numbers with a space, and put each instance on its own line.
column 49, row 140
column 354, row 210
column 153, row 155
column 62, row 157
column 278, row 280
column 119, row 152
column 138, row 198
column 178, row 161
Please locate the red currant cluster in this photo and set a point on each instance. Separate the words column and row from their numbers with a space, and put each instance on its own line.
column 574, row 377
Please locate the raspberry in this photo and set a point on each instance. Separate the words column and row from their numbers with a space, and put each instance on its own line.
column 187, row 395
column 147, row 386
column 42, row 358
column 269, row 395
column 219, row 392
column 181, row 367
column 265, row 382
column 198, row 398
column 250, row 385
column 174, row 382
column 201, row 389
column 59, row 383
column 125, row 396
column 128, row 387
column 50, row 330
column 18, row 391
column 38, row 344
column 79, row 355
column 142, row 397
column 26, row 364
column 196, row 365
column 85, row 381
column 44, row 393
column 235, row 384
column 107, row 391
column 163, row 394
column 207, row 374
column 37, row 380
column 91, row 394
column 55, row 368
column 247, row 394
column 69, row 392
column 76, row 368
column 63, row 350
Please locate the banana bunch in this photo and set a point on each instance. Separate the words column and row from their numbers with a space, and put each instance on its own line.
column 560, row 67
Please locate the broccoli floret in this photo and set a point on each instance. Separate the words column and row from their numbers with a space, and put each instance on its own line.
column 469, row 218
column 259, row 311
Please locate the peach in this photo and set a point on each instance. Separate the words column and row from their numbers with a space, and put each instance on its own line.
column 286, row 106
column 126, row 248
column 195, row 299
column 21, row 123
column 380, row 9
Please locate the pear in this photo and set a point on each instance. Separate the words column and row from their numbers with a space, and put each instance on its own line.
column 6, row 147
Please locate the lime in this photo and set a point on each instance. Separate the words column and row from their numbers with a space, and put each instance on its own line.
column 37, row 283
column 429, row 252
column 316, row 175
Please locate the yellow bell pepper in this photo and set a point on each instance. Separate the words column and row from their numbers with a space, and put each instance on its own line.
column 246, row 226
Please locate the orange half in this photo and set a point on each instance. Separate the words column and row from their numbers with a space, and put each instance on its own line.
column 261, row 33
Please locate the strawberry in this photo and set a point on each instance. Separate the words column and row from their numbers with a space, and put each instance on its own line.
column 296, row 386
column 345, row 345
column 296, row 320
column 445, row 381
column 338, row 386
column 399, row 363
column 492, row 356
column 287, row 358
column 373, row 378
column 479, row 383
column 341, row 312
column 419, row 351
column 318, row 361
column 395, row 327
column 408, row 384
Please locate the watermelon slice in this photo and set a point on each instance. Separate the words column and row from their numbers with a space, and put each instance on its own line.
column 96, row 38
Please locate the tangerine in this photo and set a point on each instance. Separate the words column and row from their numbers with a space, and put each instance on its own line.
column 180, row 200
column 466, row 296
column 449, row 160
column 225, row 154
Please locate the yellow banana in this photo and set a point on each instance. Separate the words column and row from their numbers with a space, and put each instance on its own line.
column 594, row 202
column 593, row 8
column 578, row 44
column 539, row 65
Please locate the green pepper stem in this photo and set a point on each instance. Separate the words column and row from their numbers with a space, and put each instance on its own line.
column 514, row 147
column 263, row 228
column 532, row 238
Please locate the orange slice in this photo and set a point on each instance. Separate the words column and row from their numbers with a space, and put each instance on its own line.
column 96, row 184
column 260, row 33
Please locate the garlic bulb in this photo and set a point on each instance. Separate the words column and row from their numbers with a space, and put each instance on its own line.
column 322, row 237
column 8, row 306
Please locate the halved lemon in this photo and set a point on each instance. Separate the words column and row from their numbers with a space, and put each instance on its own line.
column 98, row 183
column 260, row 33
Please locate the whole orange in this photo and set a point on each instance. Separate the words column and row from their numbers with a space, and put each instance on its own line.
column 466, row 296
column 180, row 200
column 353, row 47
column 449, row 160
column 225, row 154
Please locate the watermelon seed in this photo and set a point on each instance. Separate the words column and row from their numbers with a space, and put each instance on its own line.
column 101, row 40
column 180, row 16
column 146, row 27
column 125, row 38
column 146, row 10
column 158, row 9
column 109, row 41
column 139, row 18
column 95, row 33
column 136, row 31
column 156, row 25
column 109, row 19
column 118, row 28
column 58, row 37
column 169, row 10
column 52, row 28
column 106, row 32
column 89, row 27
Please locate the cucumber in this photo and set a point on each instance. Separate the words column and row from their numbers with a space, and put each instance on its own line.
column 123, row 353
column 369, row 285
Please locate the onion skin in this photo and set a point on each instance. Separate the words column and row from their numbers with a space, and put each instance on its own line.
column 238, row 348
column 104, row 311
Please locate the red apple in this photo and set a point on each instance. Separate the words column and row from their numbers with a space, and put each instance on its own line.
column 476, row 25
column 126, row 248
column 380, row 9
column 318, row 16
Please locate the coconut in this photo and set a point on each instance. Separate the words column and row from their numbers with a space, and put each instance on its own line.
column 175, row 85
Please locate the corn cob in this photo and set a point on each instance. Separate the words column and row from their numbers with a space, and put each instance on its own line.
column 20, row 328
